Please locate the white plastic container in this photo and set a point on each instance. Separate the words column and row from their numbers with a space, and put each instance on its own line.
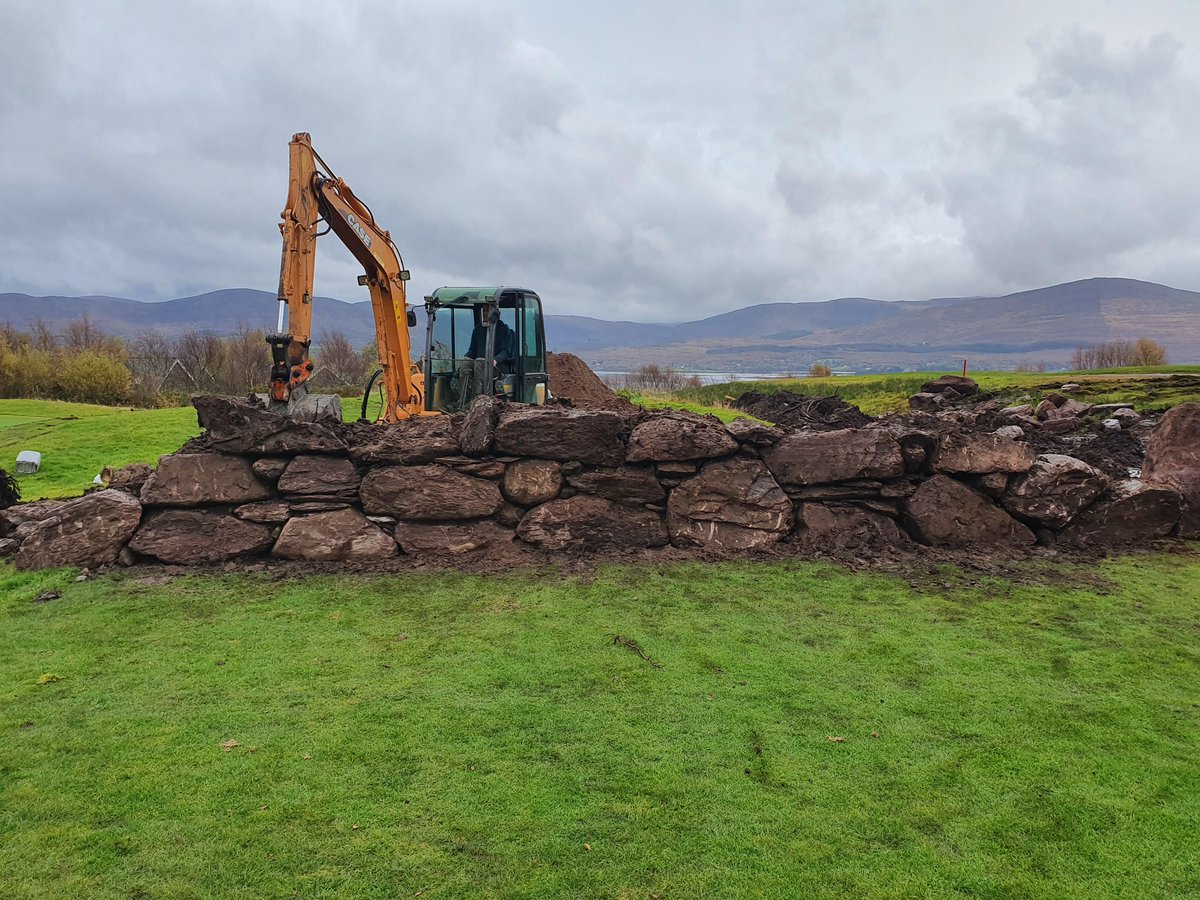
column 28, row 462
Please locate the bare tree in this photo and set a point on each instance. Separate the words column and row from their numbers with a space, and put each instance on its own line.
column 338, row 363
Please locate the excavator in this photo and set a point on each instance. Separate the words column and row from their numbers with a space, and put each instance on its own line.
column 488, row 340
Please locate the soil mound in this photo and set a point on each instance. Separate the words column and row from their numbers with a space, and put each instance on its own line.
column 798, row 411
column 571, row 380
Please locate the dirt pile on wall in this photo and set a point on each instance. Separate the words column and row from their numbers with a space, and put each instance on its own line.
column 573, row 381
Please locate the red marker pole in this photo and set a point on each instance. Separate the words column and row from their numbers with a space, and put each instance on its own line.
column 964, row 368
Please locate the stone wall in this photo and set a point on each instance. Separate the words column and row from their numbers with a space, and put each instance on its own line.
column 568, row 480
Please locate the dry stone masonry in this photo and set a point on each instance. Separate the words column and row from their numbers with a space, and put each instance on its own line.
column 567, row 480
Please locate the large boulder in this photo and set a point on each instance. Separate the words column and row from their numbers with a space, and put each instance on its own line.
column 834, row 526
column 200, row 479
column 343, row 534
column 427, row 494
column 198, row 536
column 529, row 482
column 1128, row 513
column 591, row 523
column 1173, row 460
column 237, row 426
column 1054, row 490
column 946, row 513
column 1068, row 409
column 631, row 485
column 478, row 429
column 733, row 504
column 86, row 532
column 549, row 432
column 822, row 457
column 978, row 454
column 320, row 476
column 420, row 439
column 669, row 436
column 421, row 537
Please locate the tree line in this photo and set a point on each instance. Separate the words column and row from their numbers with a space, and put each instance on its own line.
column 83, row 364
column 1117, row 354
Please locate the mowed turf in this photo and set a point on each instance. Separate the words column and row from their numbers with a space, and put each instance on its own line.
column 77, row 440
column 796, row 731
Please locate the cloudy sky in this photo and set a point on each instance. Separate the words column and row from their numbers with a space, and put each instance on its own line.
column 650, row 160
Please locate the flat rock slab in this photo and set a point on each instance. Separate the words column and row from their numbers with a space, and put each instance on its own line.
column 25, row 514
column 675, row 436
column 266, row 512
column 589, row 436
column 1128, row 513
column 732, row 504
column 1173, row 460
column 835, row 526
column 235, row 426
column 340, row 535
column 420, row 537
column 1054, row 490
column 630, row 485
column 420, row 439
column 86, row 532
column 198, row 536
column 428, row 494
column 946, row 513
column 754, row 434
column 200, row 479
column 979, row 454
column 530, row 482
column 824, row 457
column 320, row 476
column 591, row 523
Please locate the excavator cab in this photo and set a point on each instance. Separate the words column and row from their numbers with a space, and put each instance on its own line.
column 500, row 326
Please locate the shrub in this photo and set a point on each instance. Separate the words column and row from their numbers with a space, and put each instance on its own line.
column 91, row 377
column 819, row 370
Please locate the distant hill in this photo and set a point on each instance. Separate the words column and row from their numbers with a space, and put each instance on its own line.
column 1041, row 325
column 219, row 312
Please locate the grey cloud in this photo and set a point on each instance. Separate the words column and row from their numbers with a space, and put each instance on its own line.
column 638, row 160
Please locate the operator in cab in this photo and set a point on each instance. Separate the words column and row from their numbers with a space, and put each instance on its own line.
column 472, row 378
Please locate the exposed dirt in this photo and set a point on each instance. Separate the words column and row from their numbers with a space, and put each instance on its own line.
column 798, row 411
column 573, row 382
column 926, row 568
column 1112, row 452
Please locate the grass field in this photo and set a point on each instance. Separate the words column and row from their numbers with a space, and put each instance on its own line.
column 798, row 731
column 879, row 394
column 786, row 730
column 77, row 440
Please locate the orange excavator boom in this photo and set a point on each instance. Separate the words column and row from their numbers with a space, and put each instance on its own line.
column 316, row 195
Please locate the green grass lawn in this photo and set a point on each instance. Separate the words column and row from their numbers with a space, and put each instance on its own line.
column 77, row 440
column 802, row 731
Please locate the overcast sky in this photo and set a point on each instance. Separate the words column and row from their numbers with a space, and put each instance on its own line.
column 642, row 160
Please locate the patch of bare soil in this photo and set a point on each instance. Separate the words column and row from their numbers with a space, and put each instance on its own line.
column 798, row 411
column 1112, row 452
column 573, row 382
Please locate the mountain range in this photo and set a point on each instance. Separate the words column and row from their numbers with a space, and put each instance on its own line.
column 1032, row 327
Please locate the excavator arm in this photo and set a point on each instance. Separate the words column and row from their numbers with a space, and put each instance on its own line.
column 315, row 195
